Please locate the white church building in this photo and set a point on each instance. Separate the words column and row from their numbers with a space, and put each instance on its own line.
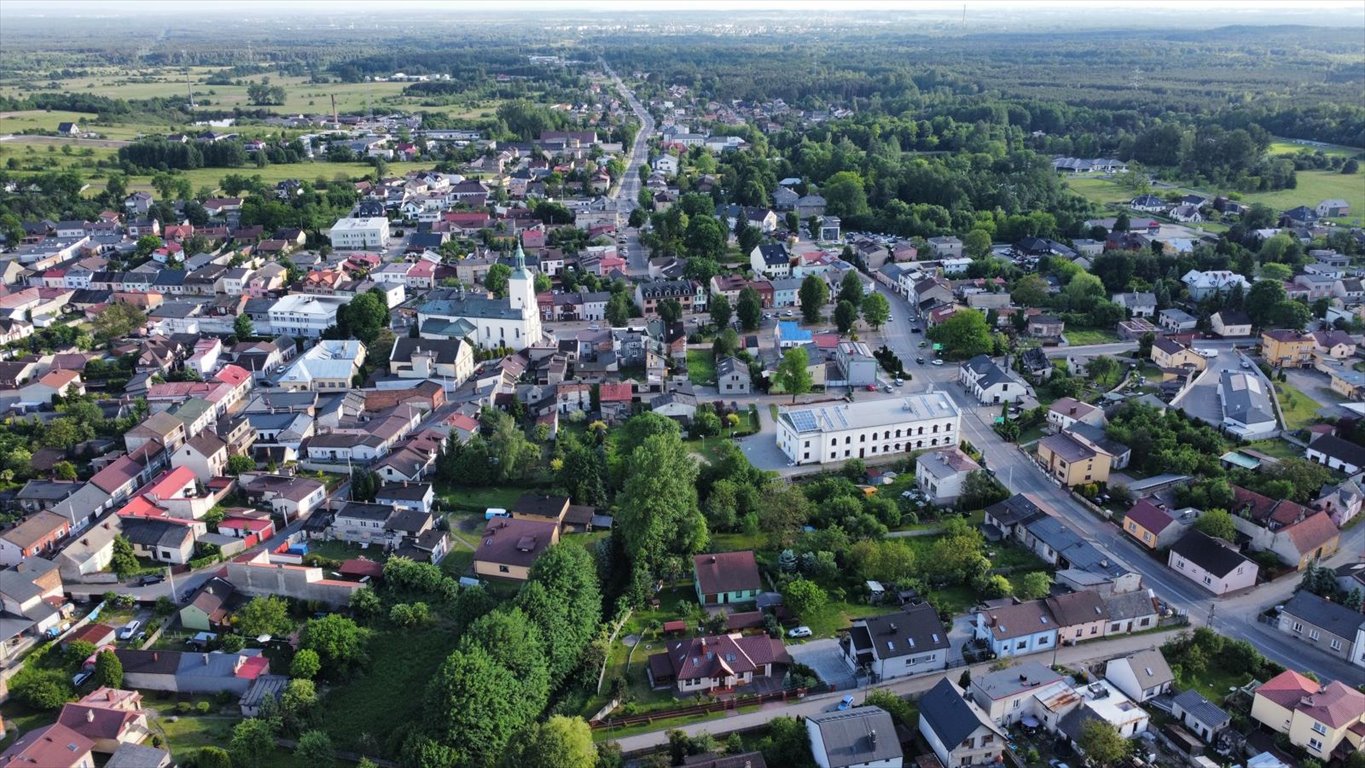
column 488, row 322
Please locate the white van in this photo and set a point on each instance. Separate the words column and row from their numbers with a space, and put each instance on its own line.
column 127, row 631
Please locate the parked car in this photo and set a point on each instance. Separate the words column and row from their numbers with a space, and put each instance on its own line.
column 801, row 631
column 80, row 677
column 129, row 630
column 846, row 702
column 871, row 387
column 938, row 361
column 151, row 578
column 920, row 360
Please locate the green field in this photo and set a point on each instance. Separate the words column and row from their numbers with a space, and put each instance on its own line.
column 1291, row 147
column 1313, row 187
column 1299, row 409
column 701, row 366
column 1083, row 337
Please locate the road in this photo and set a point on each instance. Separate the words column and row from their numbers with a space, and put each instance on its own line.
column 1070, row 655
column 628, row 191
column 36, row 139
column 1233, row 617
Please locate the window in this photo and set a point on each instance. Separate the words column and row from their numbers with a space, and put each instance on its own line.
column 1319, row 728
column 503, row 569
column 1043, row 640
column 1313, row 634
column 1315, row 745
column 1207, row 580
column 1016, row 704
column 1336, row 644
column 1021, row 645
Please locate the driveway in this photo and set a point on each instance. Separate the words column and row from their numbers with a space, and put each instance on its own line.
column 823, row 657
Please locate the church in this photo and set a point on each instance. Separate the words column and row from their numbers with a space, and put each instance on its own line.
column 488, row 322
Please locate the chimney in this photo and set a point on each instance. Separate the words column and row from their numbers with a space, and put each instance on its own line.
column 872, row 736
column 89, row 715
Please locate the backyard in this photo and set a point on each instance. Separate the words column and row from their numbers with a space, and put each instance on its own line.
column 1299, row 409
column 701, row 366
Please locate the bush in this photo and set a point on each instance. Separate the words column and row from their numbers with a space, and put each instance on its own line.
column 203, row 707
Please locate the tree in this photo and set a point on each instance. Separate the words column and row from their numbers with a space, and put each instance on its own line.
column 786, row 744
column 1034, row 585
column 845, row 315
column 670, row 310
column 618, row 310
column 108, row 670
column 963, row 335
column 41, row 688
column 980, row 489
column 338, row 641
column 510, row 638
column 252, row 742
column 659, row 516
column 749, row 309
column 851, row 288
column 117, row 320
column 306, row 664
column 560, row 742
column 474, row 708
column 720, row 311
column 1101, row 743
column 64, row 470
column 793, row 374
column 239, row 463
column 315, row 748
column 363, row 317
column 243, row 328
column 264, row 615
column 1217, row 523
column 845, row 196
column 977, row 244
column 563, row 599
column 814, row 296
column 123, row 562
column 1262, row 300
column 212, row 757
column 77, row 651
column 1031, row 290
column 496, row 279
column 803, row 596
column 876, row 310
column 145, row 245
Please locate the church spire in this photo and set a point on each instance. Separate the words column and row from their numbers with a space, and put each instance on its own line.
column 520, row 258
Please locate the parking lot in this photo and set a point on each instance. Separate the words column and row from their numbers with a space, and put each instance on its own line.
column 1201, row 400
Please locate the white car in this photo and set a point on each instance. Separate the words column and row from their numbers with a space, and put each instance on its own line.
column 938, row 361
column 802, row 631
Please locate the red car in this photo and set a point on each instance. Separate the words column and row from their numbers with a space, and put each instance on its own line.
column 871, row 387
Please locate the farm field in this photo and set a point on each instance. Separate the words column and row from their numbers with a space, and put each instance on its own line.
column 1313, row 186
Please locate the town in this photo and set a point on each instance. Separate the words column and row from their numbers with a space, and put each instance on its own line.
column 622, row 417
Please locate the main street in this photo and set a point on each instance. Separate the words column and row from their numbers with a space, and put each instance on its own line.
column 627, row 192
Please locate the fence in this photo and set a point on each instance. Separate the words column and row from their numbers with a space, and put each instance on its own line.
column 723, row 705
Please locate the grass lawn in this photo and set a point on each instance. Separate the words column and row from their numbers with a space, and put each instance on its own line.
column 836, row 615
column 1314, row 186
column 1084, row 337
column 1292, row 147
column 1015, row 558
column 341, row 550
column 1098, row 191
column 677, row 601
column 701, row 366
column 1299, row 409
column 1277, row 448
column 478, row 499
column 1214, row 683
column 389, row 695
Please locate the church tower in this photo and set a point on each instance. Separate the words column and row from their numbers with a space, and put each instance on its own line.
column 521, row 286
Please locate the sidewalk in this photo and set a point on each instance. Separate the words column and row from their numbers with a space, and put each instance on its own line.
column 1070, row 656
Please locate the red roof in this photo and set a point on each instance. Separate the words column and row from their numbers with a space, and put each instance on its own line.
column 1287, row 688
column 727, row 572
column 616, row 392
column 253, row 667
column 232, row 374
column 1149, row 516
column 360, row 567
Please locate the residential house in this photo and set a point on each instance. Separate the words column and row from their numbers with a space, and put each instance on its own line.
column 1072, row 462
column 989, row 382
column 910, row 642
column 1176, row 320
column 823, row 434
column 1079, row 616
column 717, row 663
column 139, row 756
column 1151, row 525
column 1201, row 285
column 291, row 497
column 1324, row 720
column 1282, row 348
column 164, row 540
column 1333, row 344
column 1140, row 676
column 109, row 717
column 447, row 360
column 863, row 737
column 1342, row 502
column 1212, row 564
column 1332, row 208
column 1328, row 626
column 192, row 673
column 206, row 455
column 732, row 376
column 510, row 547
column 1045, row 327
column 1231, row 323
column 1336, row 453
column 329, row 365
column 1066, row 411
column 771, row 260
column 1137, row 304
column 49, row 746
column 725, row 578
column 1016, row 630
column 208, row 608
column 942, row 474
column 36, row 536
column 1300, row 536
column 958, row 731
column 1006, row 695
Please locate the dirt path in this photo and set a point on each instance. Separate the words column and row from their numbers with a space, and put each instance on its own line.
column 95, row 143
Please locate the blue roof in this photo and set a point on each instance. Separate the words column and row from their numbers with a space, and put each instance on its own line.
column 790, row 331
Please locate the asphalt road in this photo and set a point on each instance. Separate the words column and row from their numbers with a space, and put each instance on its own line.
column 628, row 191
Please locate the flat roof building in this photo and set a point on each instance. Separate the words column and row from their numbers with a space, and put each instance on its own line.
column 828, row 433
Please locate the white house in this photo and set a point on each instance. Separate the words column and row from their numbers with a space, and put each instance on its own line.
column 988, row 382
column 331, row 365
column 350, row 234
column 1015, row 630
column 867, row 429
column 910, row 642
column 1247, row 410
column 1212, row 564
column 304, row 314
column 957, row 730
column 941, row 474
column 864, row 737
column 771, row 260
column 1141, row 676
column 1204, row 284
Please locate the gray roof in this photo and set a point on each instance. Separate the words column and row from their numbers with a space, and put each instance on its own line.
column 1326, row 615
column 1202, row 709
column 1012, row 681
column 1150, row 668
column 950, row 715
column 471, row 306
column 1244, row 398
column 857, row 736
column 138, row 756
column 774, row 254
column 1129, row 605
column 913, row 631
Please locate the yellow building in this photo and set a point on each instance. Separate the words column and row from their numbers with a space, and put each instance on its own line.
column 510, row 547
column 1318, row 719
column 1168, row 353
column 1071, row 462
column 1287, row 348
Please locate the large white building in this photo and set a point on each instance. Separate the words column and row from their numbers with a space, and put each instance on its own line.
column 305, row 315
column 353, row 234
column 863, row 430
column 490, row 323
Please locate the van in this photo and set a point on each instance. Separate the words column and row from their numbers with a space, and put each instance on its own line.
column 127, row 631
column 493, row 512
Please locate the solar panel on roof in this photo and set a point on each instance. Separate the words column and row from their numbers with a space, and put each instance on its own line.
column 803, row 420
